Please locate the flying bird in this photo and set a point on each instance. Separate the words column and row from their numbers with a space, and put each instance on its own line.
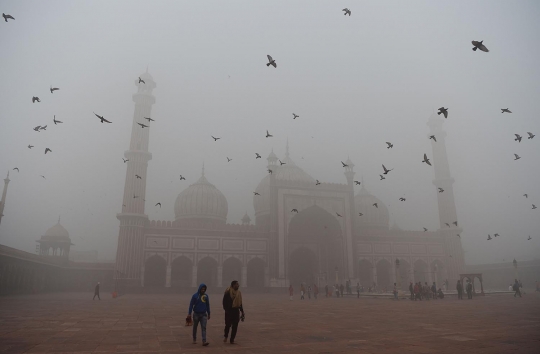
column 443, row 111
column 215, row 139
column 357, row 183
column 143, row 125
column 529, row 237
column 56, row 121
column 269, row 171
column 382, row 177
column 518, row 138
column 141, row 80
column 138, row 177
column 268, row 135
column 135, row 196
column 149, row 119
column 43, row 128
column 158, row 204
column 42, row 176
column 125, row 160
column 281, row 163
column 458, row 235
column 34, row 99
column 182, row 178
column 52, row 89
column 531, row 135
column 441, row 190
column 375, row 205
column 425, row 229
column 517, row 157
column 402, row 199
column 16, row 168
column 360, row 214
column 505, row 110
column 455, row 223
column 447, row 224
column 386, row 170
column 294, row 211
column 295, row 116
column 344, row 164
column 30, row 146
column 229, row 160
column 271, row 61
column 390, row 145
column 489, row 237
column 102, row 119
column 7, row 16
column 534, row 206
column 339, row 215
column 496, row 235
column 426, row 160
column 257, row 156
column 347, row 12
column 433, row 137
column 47, row 150
column 37, row 128
column 479, row 45
column 317, row 182
column 255, row 193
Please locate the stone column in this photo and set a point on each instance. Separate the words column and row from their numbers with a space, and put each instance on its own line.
column 168, row 277
column 219, row 276
column 194, row 276
column 244, row 276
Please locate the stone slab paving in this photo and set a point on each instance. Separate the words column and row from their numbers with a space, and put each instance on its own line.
column 73, row 323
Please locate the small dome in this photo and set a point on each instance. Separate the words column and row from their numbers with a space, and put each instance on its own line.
column 373, row 217
column 57, row 231
column 246, row 219
column 201, row 200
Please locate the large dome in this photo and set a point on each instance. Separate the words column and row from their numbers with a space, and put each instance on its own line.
column 373, row 217
column 57, row 231
column 201, row 200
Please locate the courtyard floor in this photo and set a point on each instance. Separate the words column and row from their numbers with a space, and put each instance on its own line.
column 73, row 323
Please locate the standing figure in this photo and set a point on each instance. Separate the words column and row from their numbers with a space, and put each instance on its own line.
column 417, row 291
column 341, row 287
column 232, row 304
column 357, row 290
column 395, row 292
column 434, row 291
column 336, row 289
column 96, row 292
column 516, row 288
column 411, row 290
column 469, row 290
column 309, row 292
column 291, row 292
column 315, row 291
column 200, row 306
column 302, row 290
column 459, row 289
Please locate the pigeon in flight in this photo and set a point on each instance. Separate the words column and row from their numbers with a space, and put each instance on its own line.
column 182, row 178
column 455, row 223
column 441, row 190
column 344, row 164
column 56, row 121
column 52, row 89
column 257, row 156
column 37, row 128
column 426, row 160
column 382, row 177
column 149, row 119
column 102, row 119
column 517, row 157
column 141, row 80
column 402, row 199
column 16, row 168
column 269, row 171
column 526, row 195
column 339, row 215
column 505, row 110
column 158, row 204
column 360, row 214
column 390, row 145
column 7, row 16
column 215, row 139
column 489, row 237
column 138, row 177
column 531, row 135
column 443, row 111
column 268, row 135
column 447, row 224
column 375, row 205
column 125, row 160
column 281, row 163
column 135, row 196
column 34, row 99
column 43, row 128
column 386, row 170
column 295, row 116
column 534, row 206
column 346, row 12
column 143, row 125
column 30, row 146
column 42, row 176
column 271, row 61
column 433, row 137
column 317, row 182
column 255, row 193
column 294, row 211
column 479, row 45
column 529, row 238
column 357, row 183
column 496, row 235
column 228, row 159
column 47, row 150
column 458, row 235
column 425, row 229
column 518, row 138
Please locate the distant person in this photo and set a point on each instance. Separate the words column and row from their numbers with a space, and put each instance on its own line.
column 96, row 292
column 411, row 290
column 309, row 292
column 434, row 291
column 510, row 287
column 341, row 290
column 395, row 292
column 200, row 306
column 315, row 291
column 336, row 289
column 440, row 294
column 516, row 289
column 469, row 290
column 302, row 291
column 459, row 289
column 291, row 292
column 417, row 291
column 357, row 290
column 427, row 291
column 232, row 304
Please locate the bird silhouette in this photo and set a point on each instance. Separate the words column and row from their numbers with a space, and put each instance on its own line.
column 7, row 16
column 357, row 183
column 443, row 111
column 158, row 204
column 339, row 215
column 271, row 61
column 281, row 163
column 30, row 146
column 534, row 206
column 517, row 157
column 215, row 139
column 458, row 235
column 433, row 137
column 268, row 135
column 447, row 224
column 255, row 193
column 386, row 170
column 37, row 128
column 390, row 145
column 317, row 182
column 505, row 110
column 441, row 190
column 426, row 160
column 135, row 196
column 425, row 229
column 344, row 164
column 269, row 171
column 149, row 119
column 143, row 125
column 455, row 223
column 47, row 150
column 360, row 214
column 101, row 118
column 182, row 178
column 518, row 138
column 294, row 211
column 496, row 235
column 376, row 205
column 257, row 156
column 531, row 135
column 229, row 160
column 56, row 121
column 402, row 199
column 138, row 177
column 16, row 168
column 346, row 12
column 529, row 238
column 52, row 89
column 382, row 177
column 141, row 80
column 295, row 116
column 43, row 127
column 479, row 45
column 125, row 160
column 35, row 99
column 489, row 237
column 42, row 176
column 526, row 195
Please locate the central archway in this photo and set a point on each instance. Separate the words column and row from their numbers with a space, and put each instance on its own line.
column 155, row 270
column 232, row 270
column 207, row 272
column 420, row 271
column 181, row 272
column 303, row 267
column 255, row 273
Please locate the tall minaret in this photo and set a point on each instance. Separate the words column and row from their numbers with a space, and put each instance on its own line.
column 447, row 205
column 3, row 201
column 129, row 260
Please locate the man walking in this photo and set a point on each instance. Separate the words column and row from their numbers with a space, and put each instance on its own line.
column 516, row 288
column 302, row 290
column 96, row 292
column 232, row 304
column 411, row 290
column 469, row 290
column 459, row 289
column 200, row 306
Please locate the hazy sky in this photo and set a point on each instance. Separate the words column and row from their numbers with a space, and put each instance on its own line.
column 356, row 82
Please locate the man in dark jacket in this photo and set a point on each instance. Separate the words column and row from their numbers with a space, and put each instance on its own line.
column 232, row 304
column 516, row 288
column 96, row 292
column 200, row 306
column 411, row 290
column 469, row 290
column 459, row 289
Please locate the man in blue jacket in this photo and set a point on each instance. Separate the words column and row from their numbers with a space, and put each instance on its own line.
column 200, row 306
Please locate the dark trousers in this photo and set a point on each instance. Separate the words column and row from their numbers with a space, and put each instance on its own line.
column 232, row 317
column 460, row 295
column 518, row 292
column 96, row 294
column 469, row 294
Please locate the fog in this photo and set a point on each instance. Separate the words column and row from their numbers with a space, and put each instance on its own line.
column 356, row 82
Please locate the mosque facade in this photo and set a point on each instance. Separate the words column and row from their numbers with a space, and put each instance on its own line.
column 335, row 236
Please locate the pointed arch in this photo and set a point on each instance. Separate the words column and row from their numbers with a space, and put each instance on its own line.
column 155, row 270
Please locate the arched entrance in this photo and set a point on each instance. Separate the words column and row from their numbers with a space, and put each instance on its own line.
column 181, row 272
column 155, row 270
column 232, row 270
column 255, row 273
column 303, row 267
column 437, row 272
column 207, row 272
column 319, row 229
column 383, row 275
column 365, row 273
column 420, row 271
column 404, row 274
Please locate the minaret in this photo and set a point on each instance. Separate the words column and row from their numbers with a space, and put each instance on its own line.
column 446, row 203
column 129, row 254
column 3, row 201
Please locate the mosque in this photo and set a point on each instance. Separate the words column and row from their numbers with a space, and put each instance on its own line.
column 327, row 241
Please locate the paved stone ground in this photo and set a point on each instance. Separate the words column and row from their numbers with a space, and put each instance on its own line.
column 73, row 323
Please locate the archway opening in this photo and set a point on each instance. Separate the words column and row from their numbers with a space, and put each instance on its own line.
column 303, row 267
column 255, row 273
column 181, row 272
column 437, row 271
column 232, row 270
column 365, row 273
column 420, row 271
column 155, row 270
column 384, row 280
column 404, row 274
column 207, row 272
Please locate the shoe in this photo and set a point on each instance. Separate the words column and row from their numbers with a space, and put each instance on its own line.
column 225, row 340
column 232, row 341
column 205, row 344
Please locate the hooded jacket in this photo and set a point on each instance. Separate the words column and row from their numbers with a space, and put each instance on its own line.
column 200, row 304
